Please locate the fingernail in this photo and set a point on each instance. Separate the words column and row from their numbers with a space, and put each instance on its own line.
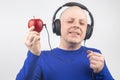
column 89, row 51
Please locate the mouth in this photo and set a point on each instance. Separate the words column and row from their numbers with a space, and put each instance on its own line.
column 74, row 33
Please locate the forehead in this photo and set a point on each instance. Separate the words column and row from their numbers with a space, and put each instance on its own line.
column 74, row 12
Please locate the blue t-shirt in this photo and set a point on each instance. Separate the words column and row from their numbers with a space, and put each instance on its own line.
column 58, row 64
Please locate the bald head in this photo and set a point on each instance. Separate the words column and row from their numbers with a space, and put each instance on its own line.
column 74, row 12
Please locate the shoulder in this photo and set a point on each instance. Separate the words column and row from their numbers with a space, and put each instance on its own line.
column 45, row 52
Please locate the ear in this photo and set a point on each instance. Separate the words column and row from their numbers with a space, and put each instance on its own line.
column 88, row 32
column 57, row 27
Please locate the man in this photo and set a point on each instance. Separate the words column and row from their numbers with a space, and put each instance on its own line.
column 70, row 60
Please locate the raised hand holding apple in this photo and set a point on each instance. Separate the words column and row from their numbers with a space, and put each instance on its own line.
column 32, row 38
column 32, row 41
column 37, row 23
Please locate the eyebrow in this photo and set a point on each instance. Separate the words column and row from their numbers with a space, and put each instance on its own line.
column 83, row 19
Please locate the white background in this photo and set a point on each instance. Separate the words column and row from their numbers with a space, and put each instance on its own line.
column 14, row 15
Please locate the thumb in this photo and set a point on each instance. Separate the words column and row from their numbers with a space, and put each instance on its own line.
column 89, row 51
column 31, row 28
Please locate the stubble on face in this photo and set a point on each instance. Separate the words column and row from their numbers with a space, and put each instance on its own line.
column 69, row 32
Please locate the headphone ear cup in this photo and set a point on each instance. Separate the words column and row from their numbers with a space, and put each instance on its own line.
column 57, row 27
column 88, row 32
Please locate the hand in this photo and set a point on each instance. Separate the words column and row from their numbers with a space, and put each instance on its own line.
column 96, row 61
column 32, row 41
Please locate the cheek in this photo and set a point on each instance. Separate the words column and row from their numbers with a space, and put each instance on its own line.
column 84, row 30
column 63, row 28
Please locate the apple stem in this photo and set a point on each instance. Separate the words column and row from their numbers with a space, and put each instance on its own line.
column 34, row 17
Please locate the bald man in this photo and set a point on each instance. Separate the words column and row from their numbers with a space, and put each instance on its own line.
column 70, row 60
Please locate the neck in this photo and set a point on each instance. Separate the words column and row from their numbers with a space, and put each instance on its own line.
column 69, row 45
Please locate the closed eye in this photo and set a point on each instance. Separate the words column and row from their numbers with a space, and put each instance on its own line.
column 82, row 23
column 70, row 21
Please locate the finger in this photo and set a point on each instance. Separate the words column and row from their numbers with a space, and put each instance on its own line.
column 90, row 53
column 96, row 58
column 28, row 43
column 30, row 35
column 97, row 54
column 32, row 40
column 31, row 28
column 36, row 39
column 94, row 62
column 94, row 67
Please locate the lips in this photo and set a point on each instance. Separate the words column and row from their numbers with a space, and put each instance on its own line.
column 74, row 32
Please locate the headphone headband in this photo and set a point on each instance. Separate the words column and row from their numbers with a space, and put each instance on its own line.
column 75, row 4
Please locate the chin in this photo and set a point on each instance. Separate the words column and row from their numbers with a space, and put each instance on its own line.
column 75, row 42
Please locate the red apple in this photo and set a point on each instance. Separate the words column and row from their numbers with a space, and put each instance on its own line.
column 37, row 23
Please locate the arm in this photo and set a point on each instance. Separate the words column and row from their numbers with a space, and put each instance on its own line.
column 28, row 69
column 104, row 74
column 97, row 63
column 32, row 41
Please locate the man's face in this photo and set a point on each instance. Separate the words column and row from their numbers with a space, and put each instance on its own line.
column 73, row 25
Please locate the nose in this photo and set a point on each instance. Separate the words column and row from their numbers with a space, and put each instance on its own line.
column 76, row 24
column 76, row 27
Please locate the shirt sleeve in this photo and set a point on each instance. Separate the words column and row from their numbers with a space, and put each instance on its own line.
column 104, row 74
column 28, row 69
